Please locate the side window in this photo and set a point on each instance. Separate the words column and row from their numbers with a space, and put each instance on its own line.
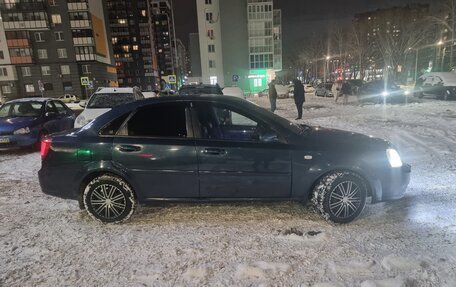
column 60, row 108
column 160, row 120
column 223, row 123
column 51, row 108
column 112, row 128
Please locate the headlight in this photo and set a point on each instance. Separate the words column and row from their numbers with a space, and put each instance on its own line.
column 80, row 122
column 22, row 131
column 407, row 92
column 393, row 158
column 385, row 94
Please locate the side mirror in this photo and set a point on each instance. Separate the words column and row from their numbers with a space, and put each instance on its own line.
column 83, row 104
column 269, row 137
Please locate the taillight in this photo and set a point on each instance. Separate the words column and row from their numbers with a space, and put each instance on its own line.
column 45, row 146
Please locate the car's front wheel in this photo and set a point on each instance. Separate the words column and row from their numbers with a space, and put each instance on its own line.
column 109, row 199
column 340, row 197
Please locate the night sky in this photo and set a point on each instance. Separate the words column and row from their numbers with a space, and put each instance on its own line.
column 299, row 17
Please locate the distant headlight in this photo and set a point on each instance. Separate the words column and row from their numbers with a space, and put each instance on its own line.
column 393, row 158
column 23, row 131
column 385, row 94
column 81, row 121
column 406, row 92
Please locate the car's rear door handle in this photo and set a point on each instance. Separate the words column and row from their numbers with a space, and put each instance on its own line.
column 128, row 148
column 214, row 151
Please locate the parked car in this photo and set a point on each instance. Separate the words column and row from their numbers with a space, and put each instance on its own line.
column 283, row 92
column 264, row 93
column 324, row 90
column 200, row 89
column 234, row 92
column 440, row 85
column 380, row 91
column 103, row 100
column 67, row 99
column 216, row 148
column 24, row 122
column 356, row 85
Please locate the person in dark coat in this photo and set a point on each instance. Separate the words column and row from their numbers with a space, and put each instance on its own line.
column 346, row 91
column 299, row 96
column 273, row 96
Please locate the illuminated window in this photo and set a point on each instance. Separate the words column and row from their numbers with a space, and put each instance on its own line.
column 56, row 19
column 122, row 21
column 213, row 80
column 135, row 47
column 29, row 88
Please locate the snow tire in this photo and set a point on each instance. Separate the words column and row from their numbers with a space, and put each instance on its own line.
column 109, row 199
column 328, row 195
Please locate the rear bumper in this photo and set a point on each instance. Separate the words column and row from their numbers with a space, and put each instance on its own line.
column 59, row 182
column 394, row 185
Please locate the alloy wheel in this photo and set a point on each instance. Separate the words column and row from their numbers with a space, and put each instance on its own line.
column 108, row 201
column 345, row 199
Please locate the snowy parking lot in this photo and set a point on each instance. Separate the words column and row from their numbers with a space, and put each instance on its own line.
column 46, row 241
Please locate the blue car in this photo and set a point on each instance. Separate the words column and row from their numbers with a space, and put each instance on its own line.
column 24, row 122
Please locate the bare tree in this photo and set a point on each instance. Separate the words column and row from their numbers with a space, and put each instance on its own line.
column 361, row 50
column 447, row 20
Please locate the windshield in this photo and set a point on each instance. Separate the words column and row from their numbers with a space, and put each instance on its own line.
column 21, row 109
column 110, row 100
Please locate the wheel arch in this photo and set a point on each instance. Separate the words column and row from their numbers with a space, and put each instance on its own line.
column 96, row 173
column 369, row 182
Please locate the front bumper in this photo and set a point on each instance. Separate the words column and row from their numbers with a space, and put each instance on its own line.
column 11, row 142
column 393, row 185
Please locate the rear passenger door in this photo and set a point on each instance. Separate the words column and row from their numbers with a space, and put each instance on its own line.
column 157, row 150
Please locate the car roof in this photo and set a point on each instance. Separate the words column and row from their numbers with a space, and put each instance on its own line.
column 34, row 99
column 114, row 90
column 199, row 86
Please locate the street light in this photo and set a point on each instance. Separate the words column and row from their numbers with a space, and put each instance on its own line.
column 325, row 68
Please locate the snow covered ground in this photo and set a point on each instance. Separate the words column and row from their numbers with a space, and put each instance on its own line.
column 46, row 241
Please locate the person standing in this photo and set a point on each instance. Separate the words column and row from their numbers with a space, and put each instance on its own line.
column 273, row 96
column 299, row 96
column 346, row 91
column 337, row 90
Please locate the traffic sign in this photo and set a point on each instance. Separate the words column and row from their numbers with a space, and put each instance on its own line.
column 172, row 79
column 236, row 78
column 40, row 86
column 85, row 81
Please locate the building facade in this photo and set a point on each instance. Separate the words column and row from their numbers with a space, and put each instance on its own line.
column 50, row 45
column 195, row 57
column 246, row 52
column 131, row 33
column 164, row 38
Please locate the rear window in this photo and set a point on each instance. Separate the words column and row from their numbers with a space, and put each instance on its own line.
column 110, row 100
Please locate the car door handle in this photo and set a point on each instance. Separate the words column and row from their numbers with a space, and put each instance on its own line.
column 128, row 148
column 214, row 151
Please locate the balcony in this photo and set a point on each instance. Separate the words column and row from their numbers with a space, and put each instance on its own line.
column 85, row 57
column 26, row 6
column 21, row 60
column 18, row 43
column 83, row 41
column 82, row 6
column 24, row 25
column 80, row 23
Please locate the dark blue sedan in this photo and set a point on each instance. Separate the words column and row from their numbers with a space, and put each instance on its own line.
column 24, row 122
column 216, row 148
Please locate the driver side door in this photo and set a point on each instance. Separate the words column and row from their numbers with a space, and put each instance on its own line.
column 238, row 156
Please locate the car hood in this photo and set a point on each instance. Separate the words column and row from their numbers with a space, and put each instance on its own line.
column 91, row 114
column 334, row 139
column 14, row 123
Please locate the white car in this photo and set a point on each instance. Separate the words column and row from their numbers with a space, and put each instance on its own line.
column 283, row 92
column 234, row 91
column 67, row 99
column 103, row 101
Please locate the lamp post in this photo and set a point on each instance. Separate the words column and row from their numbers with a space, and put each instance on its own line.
column 325, row 68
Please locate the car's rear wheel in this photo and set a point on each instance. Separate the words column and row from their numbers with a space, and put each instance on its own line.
column 340, row 197
column 109, row 199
